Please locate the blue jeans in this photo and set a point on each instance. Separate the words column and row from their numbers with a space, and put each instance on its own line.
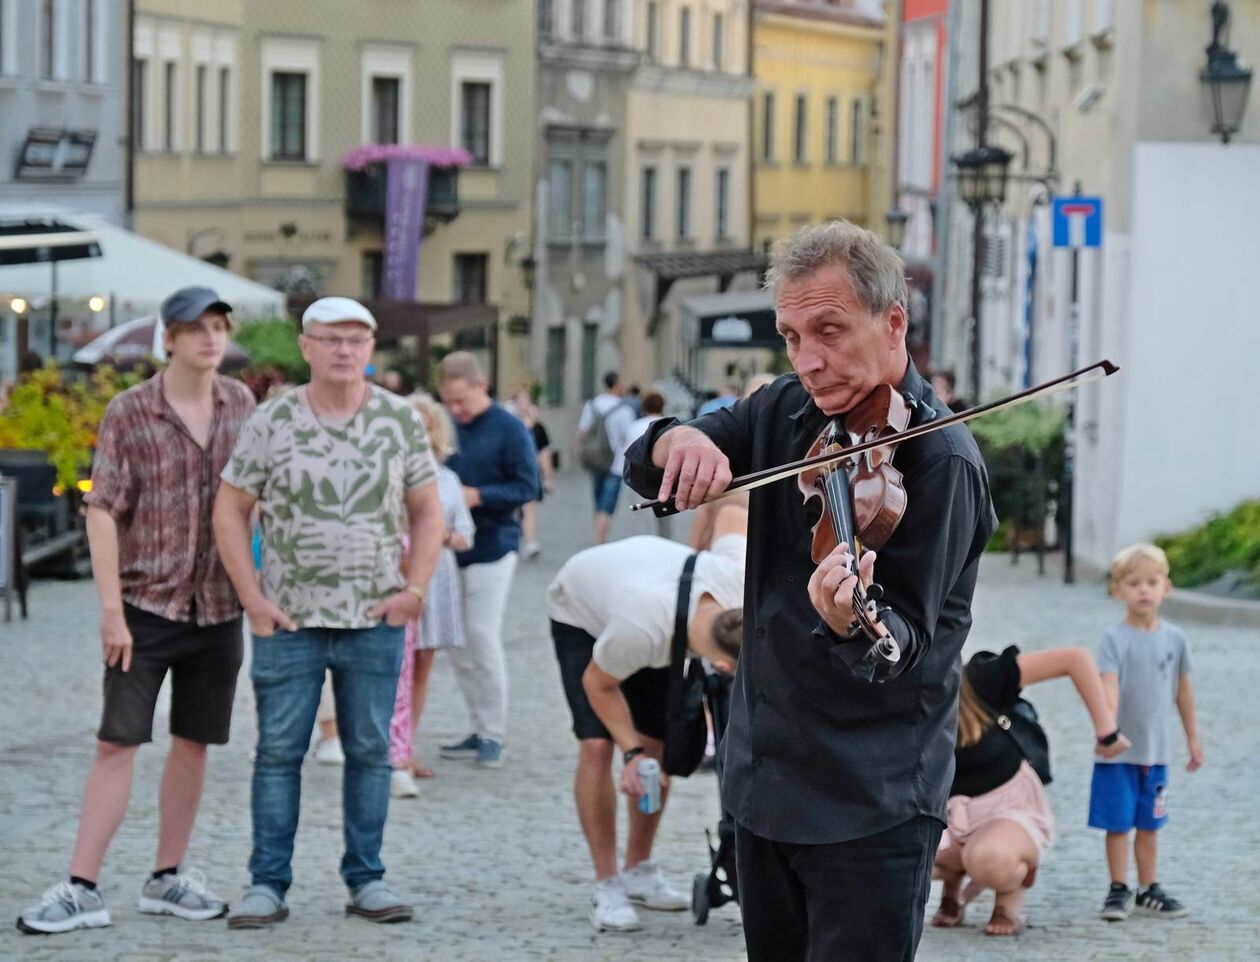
column 606, row 487
column 287, row 671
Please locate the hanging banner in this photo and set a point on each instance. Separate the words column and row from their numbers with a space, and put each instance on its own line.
column 406, row 184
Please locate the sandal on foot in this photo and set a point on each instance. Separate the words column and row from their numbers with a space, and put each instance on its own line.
column 949, row 914
column 999, row 917
column 421, row 771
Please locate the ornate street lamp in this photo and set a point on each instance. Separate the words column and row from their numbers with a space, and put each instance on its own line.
column 982, row 175
column 896, row 218
column 1226, row 82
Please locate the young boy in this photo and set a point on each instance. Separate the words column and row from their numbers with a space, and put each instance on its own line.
column 1145, row 667
column 166, row 607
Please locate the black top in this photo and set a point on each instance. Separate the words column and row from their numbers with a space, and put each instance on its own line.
column 816, row 753
column 541, row 438
column 995, row 758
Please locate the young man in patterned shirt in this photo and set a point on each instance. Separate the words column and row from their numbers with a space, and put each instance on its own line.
column 166, row 605
column 340, row 470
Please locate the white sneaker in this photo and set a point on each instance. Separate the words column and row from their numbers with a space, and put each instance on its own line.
column 646, row 885
column 328, row 752
column 402, row 785
column 611, row 911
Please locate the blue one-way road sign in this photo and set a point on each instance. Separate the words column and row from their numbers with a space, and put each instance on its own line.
column 1077, row 221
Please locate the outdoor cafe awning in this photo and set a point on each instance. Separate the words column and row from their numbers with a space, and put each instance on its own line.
column 733, row 319
column 45, row 241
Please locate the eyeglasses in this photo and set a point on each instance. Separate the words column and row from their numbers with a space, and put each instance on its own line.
column 335, row 342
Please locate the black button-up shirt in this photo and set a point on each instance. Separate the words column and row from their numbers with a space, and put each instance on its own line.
column 816, row 751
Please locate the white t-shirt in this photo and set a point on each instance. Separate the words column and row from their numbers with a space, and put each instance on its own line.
column 624, row 594
column 638, row 428
column 618, row 415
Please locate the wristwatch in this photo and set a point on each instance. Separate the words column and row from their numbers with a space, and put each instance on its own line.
column 418, row 591
column 629, row 756
column 1106, row 741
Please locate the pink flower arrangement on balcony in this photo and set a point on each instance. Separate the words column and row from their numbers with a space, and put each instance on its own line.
column 369, row 154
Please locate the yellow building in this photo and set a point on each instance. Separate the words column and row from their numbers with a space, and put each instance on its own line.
column 822, row 117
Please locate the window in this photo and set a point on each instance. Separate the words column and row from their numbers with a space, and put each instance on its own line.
column 653, row 30
column 723, row 203
column 590, row 346
column 556, row 350
column 648, row 199
column 594, row 200
column 470, row 278
column 798, row 129
column 288, row 116
column 545, row 25
column 560, row 200
column 612, row 13
column 168, row 106
column 719, row 41
column 577, row 19
column 139, row 95
column 857, row 143
column 48, row 39
column 202, row 75
column 683, row 225
column 475, row 121
column 684, row 37
column 225, row 108
column 767, row 126
column 385, row 110
column 832, row 134
column 372, row 265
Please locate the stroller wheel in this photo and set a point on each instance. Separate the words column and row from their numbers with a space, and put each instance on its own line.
column 700, row 898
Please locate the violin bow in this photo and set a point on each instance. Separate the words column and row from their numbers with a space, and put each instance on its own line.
column 747, row 482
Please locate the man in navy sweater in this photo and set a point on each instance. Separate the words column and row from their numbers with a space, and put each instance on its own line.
column 498, row 467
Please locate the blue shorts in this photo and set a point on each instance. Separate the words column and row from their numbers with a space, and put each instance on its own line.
column 1124, row 797
column 607, row 487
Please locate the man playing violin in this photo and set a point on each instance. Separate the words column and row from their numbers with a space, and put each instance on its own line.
column 837, row 765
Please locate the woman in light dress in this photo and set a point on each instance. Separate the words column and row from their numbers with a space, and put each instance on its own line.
column 442, row 624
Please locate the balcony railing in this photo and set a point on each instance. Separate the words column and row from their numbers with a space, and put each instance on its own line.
column 366, row 192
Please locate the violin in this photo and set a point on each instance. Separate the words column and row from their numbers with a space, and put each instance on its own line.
column 859, row 501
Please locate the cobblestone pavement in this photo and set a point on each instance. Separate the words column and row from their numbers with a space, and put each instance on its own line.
column 494, row 860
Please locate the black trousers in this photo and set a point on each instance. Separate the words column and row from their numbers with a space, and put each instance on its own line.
column 861, row 900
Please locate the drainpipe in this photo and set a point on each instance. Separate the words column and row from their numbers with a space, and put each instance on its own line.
column 129, row 75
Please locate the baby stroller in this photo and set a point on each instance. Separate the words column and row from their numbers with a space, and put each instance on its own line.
column 715, row 889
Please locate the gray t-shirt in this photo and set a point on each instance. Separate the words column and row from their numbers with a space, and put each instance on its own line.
column 1150, row 665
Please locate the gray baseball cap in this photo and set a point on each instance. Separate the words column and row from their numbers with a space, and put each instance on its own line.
column 189, row 303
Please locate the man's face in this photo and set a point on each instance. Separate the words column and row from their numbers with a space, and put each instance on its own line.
column 463, row 399
column 198, row 344
column 337, row 353
column 838, row 348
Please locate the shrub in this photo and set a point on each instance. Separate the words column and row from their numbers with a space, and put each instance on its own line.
column 1224, row 543
column 49, row 412
column 1023, row 451
column 272, row 344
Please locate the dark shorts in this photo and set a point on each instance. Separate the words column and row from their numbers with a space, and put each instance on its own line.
column 606, row 488
column 1124, row 797
column 203, row 661
column 646, row 691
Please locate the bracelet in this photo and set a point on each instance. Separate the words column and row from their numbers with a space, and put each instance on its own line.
column 1106, row 741
column 629, row 756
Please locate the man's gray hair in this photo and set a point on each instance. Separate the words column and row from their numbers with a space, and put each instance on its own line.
column 875, row 269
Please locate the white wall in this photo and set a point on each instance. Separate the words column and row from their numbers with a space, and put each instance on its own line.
column 1189, row 444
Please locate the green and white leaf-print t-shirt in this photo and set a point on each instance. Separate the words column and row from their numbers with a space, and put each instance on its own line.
column 330, row 498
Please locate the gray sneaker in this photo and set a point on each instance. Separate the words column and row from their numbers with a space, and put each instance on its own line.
column 465, row 750
column 64, row 907
column 489, row 753
column 376, row 901
column 259, row 908
column 183, row 895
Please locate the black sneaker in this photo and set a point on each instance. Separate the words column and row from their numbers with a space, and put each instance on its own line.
column 1119, row 903
column 1154, row 901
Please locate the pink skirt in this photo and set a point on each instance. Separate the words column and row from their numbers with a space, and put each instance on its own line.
column 1021, row 800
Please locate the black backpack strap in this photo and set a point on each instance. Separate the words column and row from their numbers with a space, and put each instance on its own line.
column 678, row 652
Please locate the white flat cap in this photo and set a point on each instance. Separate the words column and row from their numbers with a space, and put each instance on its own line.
column 337, row 310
